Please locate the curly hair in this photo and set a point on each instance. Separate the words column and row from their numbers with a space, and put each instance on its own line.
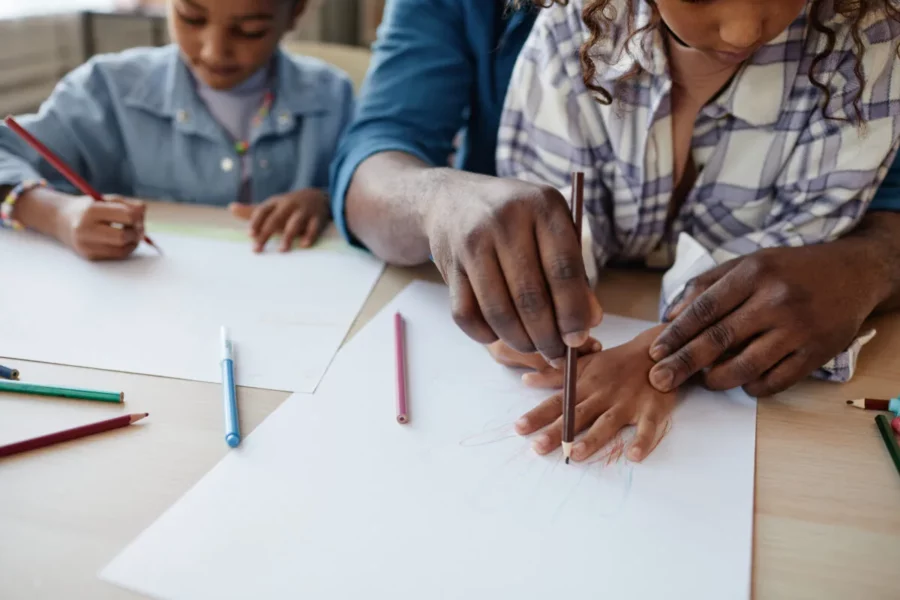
column 599, row 17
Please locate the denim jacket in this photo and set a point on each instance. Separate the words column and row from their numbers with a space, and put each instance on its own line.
column 133, row 124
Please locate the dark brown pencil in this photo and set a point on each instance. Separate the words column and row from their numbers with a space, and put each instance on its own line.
column 70, row 434
column 873, row 403
column 571, row 375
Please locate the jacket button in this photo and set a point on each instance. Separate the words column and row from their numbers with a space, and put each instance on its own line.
column 227, row 165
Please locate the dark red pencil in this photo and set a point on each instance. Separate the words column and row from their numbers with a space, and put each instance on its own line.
column 70, row 434
column 400, row 352
column 74, row 178
column 571, row 374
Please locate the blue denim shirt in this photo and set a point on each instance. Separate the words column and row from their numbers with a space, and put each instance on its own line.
column 442, row 65
column 133, row 124
column 439, row 66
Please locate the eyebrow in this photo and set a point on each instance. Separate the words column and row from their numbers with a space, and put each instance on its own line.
column 261, row 16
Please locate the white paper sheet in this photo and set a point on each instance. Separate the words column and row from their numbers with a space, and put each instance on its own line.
column 331, row 499
column 161, row 315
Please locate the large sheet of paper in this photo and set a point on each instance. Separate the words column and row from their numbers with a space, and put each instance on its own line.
column 331, row 499
column 161, row 315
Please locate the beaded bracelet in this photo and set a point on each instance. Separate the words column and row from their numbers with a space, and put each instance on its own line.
column 6, row 209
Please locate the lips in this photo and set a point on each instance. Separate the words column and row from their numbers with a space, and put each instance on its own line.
column 221, row 71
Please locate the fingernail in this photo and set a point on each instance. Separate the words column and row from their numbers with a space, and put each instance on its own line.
column 578, row 450
column 528, row 378
column 659, row 352
column 596, row 347
column 522, row 424
column 662, row 378
column 542, row 443
column 558, row 363
column 635, row 454
column 576, row 340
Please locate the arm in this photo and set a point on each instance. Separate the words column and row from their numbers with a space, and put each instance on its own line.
column 78, row 124
column 383, row 177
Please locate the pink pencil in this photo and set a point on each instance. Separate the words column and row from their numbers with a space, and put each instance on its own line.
column 400, row 349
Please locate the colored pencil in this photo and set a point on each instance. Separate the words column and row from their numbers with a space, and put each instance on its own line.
column 890, row 440
column 571, row 374
column 892, row 405
column 7, row 373
column 400, row 354
column 74, row 178
column 70, row 434
column 17, row 387
column 229, row 393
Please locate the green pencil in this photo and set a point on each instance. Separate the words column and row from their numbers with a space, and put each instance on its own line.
column 890, row 440
column 61, row 392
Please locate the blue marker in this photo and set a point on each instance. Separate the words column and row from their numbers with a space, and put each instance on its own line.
column 7, row 373
column 229, row 394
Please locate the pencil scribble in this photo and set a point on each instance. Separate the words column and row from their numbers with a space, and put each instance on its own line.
column 604, row 481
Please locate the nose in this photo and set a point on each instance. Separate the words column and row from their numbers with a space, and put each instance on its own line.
column 742, row 30
column 215, row 49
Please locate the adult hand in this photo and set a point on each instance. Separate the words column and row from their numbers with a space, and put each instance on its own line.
column 108, row 230
column 765, row 321
column 612, row 392
column 512, row 258
column 301, row 214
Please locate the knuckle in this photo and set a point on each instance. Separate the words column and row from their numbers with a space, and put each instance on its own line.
column 499, row 316
column 564, row 268
column 720, row 336
column 744, row 369
column 703, row 309
column 530, row 302
column 684, row 361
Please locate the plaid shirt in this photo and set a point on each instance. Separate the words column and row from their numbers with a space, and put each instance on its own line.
column 773, row 171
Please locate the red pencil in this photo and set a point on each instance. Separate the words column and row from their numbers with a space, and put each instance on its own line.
column 70, row 434
column 400, row 350
column 73, row 177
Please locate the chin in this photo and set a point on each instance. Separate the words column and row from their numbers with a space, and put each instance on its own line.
column 220, row 81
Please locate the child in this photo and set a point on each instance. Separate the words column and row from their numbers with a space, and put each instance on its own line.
column 220, row 117
column 706, row 130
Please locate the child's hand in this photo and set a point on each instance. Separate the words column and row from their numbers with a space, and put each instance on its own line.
column 108, row 230
column 302, row 214
column 505, row 355
column 613, row 391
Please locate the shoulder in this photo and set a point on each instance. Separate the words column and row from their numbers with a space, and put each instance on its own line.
column 121, row 72
column 563, row 30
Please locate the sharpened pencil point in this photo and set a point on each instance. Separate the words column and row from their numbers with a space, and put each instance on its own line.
column 567, row 460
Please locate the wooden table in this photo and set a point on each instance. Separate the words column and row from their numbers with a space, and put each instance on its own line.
column 827, row 496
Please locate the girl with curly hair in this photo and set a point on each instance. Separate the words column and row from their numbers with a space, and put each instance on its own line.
column 707, row 130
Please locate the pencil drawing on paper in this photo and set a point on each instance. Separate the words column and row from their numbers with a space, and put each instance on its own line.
column 603, row 481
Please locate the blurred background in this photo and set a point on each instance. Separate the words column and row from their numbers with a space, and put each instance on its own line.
column 42, row 40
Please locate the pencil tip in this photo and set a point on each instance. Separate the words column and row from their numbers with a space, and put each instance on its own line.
column 567, row 460
column 849, row 401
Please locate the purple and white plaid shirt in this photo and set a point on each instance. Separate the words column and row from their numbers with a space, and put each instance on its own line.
column 773, row 171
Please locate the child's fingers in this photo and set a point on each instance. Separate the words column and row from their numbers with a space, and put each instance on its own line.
column 506, row 356
column 259, row 216
column 99, row 252
column 601, row 432
column 547, row 379
column 540, row 416
column 114, row 212
column 650, row 429
column 313, row 229
column 106, row 235
column 296, row 223
column 585, row 413
column 272, row 225
column 241, row 211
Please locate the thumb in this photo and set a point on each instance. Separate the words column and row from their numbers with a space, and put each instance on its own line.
column 241, row 211
column 547, row 379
